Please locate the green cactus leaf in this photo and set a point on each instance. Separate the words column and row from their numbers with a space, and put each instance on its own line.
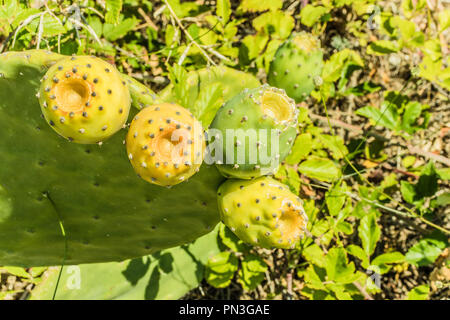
column 168, row 274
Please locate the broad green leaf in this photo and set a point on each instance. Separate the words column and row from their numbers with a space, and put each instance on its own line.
column 223, row 10
column 314, row 278
column 337, row 266
column 255, row 44
column 113, row 32
column 315, row 255
column 444, row 173
column 419, row 293
column 369, row 232
column 386, row 117
column 381, row 47
column 383, row 260
column 408, row 161
column 411, row 114
column 335, row 198
column 425, row 252
column 364, row 88
column 301, row 148
column 333, row 67
column 428, row 181
column 208, row 102
column 408, row 192
column 442, row 200
column 252, row 272
column 310, row 15
column 276, row 23
column 17, row 271
column 230, row 239
column 339, row 291
column 293, row 180
column 344, row 227
column 220, row 269
column 409, row 36
column 335, row 144
column 113, row 9
column 319, row 168
column 359, row 253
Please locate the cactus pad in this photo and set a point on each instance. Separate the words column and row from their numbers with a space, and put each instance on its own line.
column 165, row 144
column 297, row 65
column 84, row 99
column 108, row 213
column 262, row 212
column 254, row 132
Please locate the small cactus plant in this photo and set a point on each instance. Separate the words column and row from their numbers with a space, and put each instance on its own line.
column 165, row 144
column 262, row 212
column 256, row 129
column 84, row 99
column 297, row 66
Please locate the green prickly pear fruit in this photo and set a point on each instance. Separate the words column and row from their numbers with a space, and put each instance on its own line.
column 297, row 65
column 262, row 212
column 253, row 132
column 84, row 99
column 165, row 144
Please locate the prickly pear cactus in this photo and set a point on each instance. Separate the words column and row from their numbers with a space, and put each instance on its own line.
column 254, row 132
column 165, row 144
column 262, row 212
column 84, row 99
column 107, row 211
column 297, row 65
column 168, row 274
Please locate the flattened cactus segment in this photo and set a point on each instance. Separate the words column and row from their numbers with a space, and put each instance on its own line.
column 253, row 132
column 262, row 212
column 297, row 66
column 108, row 213
column 165, row 144
column 84, row 99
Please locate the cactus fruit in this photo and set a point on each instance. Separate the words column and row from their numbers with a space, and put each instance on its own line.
column 254, row 131
column 108, row 213
column 84, row 99
column 262, row 212
column 297, row 65
column 165, row 144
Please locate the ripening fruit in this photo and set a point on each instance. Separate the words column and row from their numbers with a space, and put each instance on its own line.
column 84, row 99
column 165, row 144
column 254, row 131
column 262, row 212
column 297, row 66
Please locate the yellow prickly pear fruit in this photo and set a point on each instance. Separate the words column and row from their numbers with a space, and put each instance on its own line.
column 165, row 144
column 262, row 212
column 84, row 99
